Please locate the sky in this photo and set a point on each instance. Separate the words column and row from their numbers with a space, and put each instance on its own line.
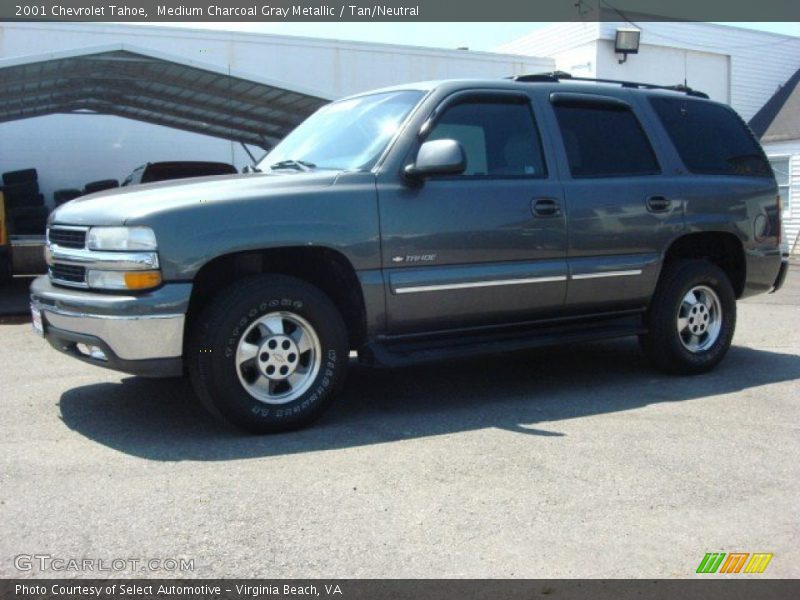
column 475, row 36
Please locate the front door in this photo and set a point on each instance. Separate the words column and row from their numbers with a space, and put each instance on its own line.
column 485, row 246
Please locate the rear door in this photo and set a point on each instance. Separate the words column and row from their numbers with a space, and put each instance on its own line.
column 621, row 200
column 485, row 246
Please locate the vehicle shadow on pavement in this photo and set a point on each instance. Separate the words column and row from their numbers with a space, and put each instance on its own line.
column 521, row 392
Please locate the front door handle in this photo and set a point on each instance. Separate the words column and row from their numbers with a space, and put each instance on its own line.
column 545, row 207
column 658, row 204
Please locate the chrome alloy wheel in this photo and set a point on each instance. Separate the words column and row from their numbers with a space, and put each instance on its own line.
column 699, row 319
column 278, row 357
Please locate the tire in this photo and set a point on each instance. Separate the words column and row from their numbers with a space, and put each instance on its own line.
column 21, row 176
column 707, row 318
column 293, row 326
column 22, row 195
column 29, row 212
column 28, row 220
column 30, row 227
column 65, row 195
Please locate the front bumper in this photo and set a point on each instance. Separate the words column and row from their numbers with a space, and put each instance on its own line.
column 140, row 334
column 781, row 275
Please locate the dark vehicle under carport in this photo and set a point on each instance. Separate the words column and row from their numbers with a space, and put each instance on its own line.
column 153, row 87
column 177, row 169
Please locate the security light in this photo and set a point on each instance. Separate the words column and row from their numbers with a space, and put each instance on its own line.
column 626, row 42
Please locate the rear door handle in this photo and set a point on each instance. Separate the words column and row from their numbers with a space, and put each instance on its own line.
column 545, row 207
column 658, row 204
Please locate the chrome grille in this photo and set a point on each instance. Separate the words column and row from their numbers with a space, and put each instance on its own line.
column 68, row 275
column 67, row 237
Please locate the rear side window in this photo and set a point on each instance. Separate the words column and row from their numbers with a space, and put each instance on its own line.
column 604, row 141
column 711, row 139
column 500, row 139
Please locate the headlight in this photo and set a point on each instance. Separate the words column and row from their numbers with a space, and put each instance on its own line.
column 121, row 238
column 123, row 280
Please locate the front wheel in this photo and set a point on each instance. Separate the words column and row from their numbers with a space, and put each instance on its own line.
column 691, row 319
column 268, row 354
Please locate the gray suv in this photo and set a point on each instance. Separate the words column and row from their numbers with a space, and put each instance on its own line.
column 424, row 222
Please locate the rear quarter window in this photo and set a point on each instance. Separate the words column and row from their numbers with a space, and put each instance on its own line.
column 710, row 138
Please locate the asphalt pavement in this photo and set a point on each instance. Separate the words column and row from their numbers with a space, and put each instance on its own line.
column 576, row 461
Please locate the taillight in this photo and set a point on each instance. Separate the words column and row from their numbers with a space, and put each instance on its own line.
column 780, row 220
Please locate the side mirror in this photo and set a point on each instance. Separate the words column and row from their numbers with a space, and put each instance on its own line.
column 438, row 157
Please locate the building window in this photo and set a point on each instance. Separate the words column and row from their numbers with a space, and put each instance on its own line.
column 780, row 166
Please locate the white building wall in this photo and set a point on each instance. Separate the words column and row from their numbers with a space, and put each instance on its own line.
column 580, row 61
column 337, row 68
column 791, row 216
column 705, row 71
column 759, row 61
column 756, row 62
column 553, row 39
column 70, row 150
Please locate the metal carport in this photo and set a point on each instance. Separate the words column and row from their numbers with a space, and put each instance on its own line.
column 156, row 88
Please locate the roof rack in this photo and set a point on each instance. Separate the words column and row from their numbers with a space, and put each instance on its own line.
column 556, row 76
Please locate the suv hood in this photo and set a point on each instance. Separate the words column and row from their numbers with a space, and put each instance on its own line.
column 120, row 205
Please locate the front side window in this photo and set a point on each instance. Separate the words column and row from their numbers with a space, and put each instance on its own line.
column 604, row 141
column 781, row 166
column 350, row 134
column 711, row 139
column 500, row 139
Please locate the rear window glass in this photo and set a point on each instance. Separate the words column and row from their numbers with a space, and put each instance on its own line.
column 604, row 142
column 711, row 139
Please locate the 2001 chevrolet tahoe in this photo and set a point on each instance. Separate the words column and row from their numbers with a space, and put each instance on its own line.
column 421, row 222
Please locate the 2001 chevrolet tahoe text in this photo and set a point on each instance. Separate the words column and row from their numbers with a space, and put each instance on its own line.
column 422, row 222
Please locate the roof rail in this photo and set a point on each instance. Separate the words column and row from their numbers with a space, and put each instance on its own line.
column 556, row 76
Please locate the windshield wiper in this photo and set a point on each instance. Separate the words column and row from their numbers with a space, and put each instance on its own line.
column 297, row 165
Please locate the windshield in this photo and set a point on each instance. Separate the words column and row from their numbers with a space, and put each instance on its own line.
column 345, row 135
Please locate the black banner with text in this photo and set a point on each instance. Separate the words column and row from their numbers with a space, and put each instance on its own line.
column 400, row 10
column 398, row 589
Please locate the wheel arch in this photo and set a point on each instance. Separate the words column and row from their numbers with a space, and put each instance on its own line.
column 722, row 248
column 324, row 267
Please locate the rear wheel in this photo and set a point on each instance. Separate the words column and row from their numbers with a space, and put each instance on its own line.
column 692, row 318
column 268, row 354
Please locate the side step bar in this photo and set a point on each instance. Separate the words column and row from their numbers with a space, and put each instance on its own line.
column 401, row 351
